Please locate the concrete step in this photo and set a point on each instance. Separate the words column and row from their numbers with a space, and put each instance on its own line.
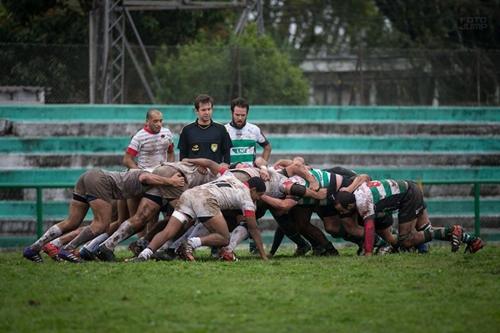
column 185, row 113
column 38, row 129
column 281, row 143
column 68, row 176
column 356, row 159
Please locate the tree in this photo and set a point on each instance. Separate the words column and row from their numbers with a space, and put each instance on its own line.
column 468, row 70
column 246, row 65
column 46, row 41
column 327, row 27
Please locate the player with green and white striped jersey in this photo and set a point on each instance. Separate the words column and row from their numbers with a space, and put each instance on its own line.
column 377, row 198
column 323, row 179
column 333, row 179
column 244, row 135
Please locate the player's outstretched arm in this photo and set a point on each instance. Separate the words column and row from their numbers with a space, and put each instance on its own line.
column 214, row 167
column 151, row 179
column 255, row 233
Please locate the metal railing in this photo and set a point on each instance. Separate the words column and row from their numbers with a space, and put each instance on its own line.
column 39, row 187
column 477, row 195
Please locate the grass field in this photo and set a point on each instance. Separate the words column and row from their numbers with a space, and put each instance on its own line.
column 438, row 292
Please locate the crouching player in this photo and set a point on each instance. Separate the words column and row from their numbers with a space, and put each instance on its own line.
column 379, row 197
column 205, row 203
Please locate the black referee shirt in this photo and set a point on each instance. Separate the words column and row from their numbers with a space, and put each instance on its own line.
column 211, row 141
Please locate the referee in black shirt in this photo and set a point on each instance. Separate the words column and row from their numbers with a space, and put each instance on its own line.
column 203, row 137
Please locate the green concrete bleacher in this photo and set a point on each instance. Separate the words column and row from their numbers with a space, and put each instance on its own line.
column 184, row 113
column 69, row 176
column 52, row 145
column 287, row 144
column 26, row 210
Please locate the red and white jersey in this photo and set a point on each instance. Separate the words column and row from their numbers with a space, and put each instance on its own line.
column 192, row 175
column 250, row 171
column 379, row 196
column 150, row 149
column 230, row 193
column 276, row 185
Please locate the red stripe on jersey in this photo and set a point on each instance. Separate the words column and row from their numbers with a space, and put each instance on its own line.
column 146, row 128
column 287, row 184
column 222, row 170
column 249, row 213
column 132, row 151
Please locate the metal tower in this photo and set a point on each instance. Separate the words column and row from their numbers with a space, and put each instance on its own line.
column 108, row 43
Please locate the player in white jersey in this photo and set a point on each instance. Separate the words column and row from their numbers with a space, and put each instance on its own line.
column 205, row 204
column 149, row 147
column 281, row 194
column 154, row 199
column 375, row 199
column 244, row 135
column 152, row 145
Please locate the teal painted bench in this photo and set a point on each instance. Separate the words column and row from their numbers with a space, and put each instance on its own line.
column 280, row 143
column 69, row 176
column 185, row 113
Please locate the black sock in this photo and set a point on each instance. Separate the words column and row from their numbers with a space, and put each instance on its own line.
column 277, row 239
column 290, row 230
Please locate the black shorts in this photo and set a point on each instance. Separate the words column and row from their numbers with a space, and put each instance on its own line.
column 231, row 218
column 412, row 204
column 383, row 222
column 326, row 211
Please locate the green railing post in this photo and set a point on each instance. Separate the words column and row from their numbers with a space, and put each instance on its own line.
column 39, row 212
column 477, row 211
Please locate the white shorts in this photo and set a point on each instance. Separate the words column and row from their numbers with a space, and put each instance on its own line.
column 198, row 204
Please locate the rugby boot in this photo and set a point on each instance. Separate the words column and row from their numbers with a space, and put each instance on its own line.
column 105, row 254
column 475, row 245
column 70, row 255
column 165, row 255
column 52, row 251
column 137, row 246
column 86, row 254
column 32, row 255
column 456, row 237
column 227, row 255
column 302, row 250
column 185, row 251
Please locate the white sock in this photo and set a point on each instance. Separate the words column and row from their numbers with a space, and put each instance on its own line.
column 146, row 253
column 51, row 234
column 57, row 242
column 124, row 231
column 199, row 231
column 195, row 242
column 238, row 235
column 94, row 244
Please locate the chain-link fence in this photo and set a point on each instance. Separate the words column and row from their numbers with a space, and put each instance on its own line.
column 361, row 77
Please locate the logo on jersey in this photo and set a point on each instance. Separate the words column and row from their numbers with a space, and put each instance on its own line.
column 195, row 148
column 374, row 183
column 242, row 150
column 214, row 147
